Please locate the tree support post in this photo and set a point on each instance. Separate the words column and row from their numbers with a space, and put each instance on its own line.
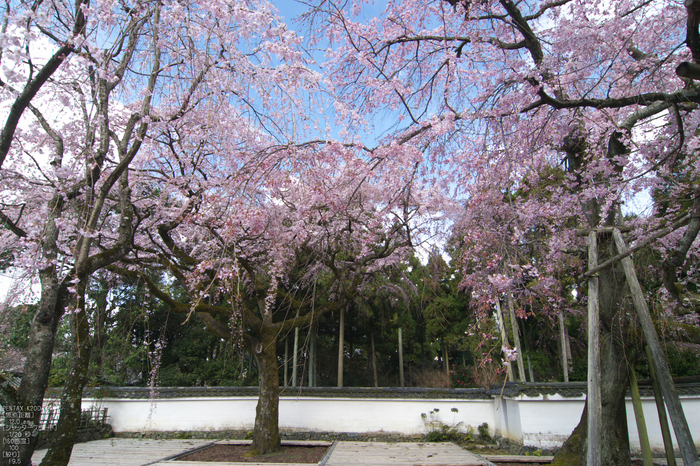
column 401, row 377
column 516, row 339
column 595, row 409
column 374, row 359
column 341, row 346
column 312, row 356
column 641, row 422
column 562, row 339
column 668, row 388
column 295, row 358
column 661, row 410
column 286, row 361
column 504, row 336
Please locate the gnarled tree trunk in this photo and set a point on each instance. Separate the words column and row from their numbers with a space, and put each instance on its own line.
column 617, row 354
column 39, row 353
column 61, row 445
column 266, row 437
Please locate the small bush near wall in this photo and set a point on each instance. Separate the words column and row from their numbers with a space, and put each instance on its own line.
column 463, row 377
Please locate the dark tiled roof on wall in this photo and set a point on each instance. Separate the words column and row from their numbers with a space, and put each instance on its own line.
column 510, row 390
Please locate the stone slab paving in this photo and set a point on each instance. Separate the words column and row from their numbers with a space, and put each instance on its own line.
column 524, row 460
column 142, row 452
column 124, row 452
column 404, row 454
column 663, row 462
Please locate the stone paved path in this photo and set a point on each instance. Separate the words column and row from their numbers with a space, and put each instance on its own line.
column 136, row 452
column 142, row 452
column 124, row 452
column 404, row 454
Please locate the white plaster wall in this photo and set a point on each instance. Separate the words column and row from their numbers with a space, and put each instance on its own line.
column 691, row 408
column 178, row 414
column 381, row 415
column 506, row 414
column 302, row 414
column 543, row 422
column 546, row 421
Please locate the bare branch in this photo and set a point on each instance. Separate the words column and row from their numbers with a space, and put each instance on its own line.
column 12, row 226
column 649, row 98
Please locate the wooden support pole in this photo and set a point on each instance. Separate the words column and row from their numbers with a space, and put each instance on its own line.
column 401, row 379
column 569, row 361
column 661, row 410
column 312, row 340
column 374, row 360
column 504, row 336
column 446, row 359
column 595, row 425
column 668, row 388
column 341, row 346
column 295, row 358
column 312, row 356
column 641, row 422
column 650, row 239
column 600, row 230
column 286, row 361
column 516, row 339
column 562, row 339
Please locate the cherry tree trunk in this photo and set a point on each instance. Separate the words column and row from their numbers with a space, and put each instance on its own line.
column 61, row 445
column 616, row 355
column 39, row 353
column 266, row 436
column 614, row 441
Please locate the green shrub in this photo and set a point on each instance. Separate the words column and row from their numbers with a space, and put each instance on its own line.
column 484, row 435
column 462, row 377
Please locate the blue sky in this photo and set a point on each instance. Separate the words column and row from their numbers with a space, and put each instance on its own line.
column 290, row 10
